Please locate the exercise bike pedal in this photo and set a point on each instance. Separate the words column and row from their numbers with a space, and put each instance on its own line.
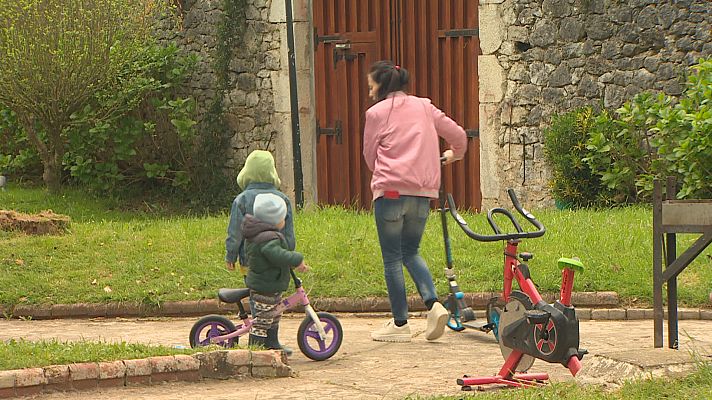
column 537, row 316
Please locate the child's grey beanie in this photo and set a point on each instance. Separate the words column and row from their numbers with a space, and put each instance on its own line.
column 269, row 208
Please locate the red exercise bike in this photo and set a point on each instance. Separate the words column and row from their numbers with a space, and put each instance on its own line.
column 527, row 327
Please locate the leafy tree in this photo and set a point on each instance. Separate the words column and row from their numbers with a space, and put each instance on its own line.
column 58, row 54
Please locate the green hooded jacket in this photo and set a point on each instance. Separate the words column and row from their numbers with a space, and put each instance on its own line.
column 268, row 259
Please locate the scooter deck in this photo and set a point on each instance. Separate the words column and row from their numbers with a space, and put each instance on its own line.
column 481, row 326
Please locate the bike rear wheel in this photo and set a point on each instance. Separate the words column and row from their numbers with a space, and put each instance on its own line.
column 209, row 327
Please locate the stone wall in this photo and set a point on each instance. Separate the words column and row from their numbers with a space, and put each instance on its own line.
column 544, row 57
column 257, row 107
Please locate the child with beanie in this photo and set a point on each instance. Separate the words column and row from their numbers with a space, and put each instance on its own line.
column 269, row 261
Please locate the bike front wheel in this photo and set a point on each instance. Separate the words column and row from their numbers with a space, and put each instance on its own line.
column 312, row 345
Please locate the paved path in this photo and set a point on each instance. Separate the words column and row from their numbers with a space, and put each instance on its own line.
column 362, row 369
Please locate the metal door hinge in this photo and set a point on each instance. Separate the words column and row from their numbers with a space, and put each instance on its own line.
column 462, row 32
column 325, row 39
column 335, row 131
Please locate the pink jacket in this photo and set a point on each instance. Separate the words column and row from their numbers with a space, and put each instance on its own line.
column 401, row 147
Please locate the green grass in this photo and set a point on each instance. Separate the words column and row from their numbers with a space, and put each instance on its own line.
column 116, row 255
column 695, row 386
column 17, row 354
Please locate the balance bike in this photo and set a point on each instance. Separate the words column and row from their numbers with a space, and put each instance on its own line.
column 319, row 335
column 528, row 327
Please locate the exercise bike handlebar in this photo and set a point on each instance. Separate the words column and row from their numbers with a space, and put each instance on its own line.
column 498, row 235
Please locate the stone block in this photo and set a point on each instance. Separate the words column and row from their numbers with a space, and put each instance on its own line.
column 688, row 313
column 706, row 315
column 112, row 370
column 184, row 362
column 161, row 364
column 57, row 374
column 635, row 313
column 7, row 379
column 82, row 371
column 213, row 364
column 137, row 368
column 178, row 308
column 491, row 79
column 32, row 311
column 600, row 314
column 267, row 358
column 208, row 306
column 583, row 313
column 618, row 314
column 96, row 310
column 30, row 377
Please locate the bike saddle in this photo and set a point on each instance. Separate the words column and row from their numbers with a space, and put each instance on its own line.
column 233, row 295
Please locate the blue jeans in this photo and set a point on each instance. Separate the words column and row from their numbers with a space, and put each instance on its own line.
column 400, row 223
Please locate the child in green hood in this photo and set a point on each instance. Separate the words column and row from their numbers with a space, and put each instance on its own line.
column 258, row 176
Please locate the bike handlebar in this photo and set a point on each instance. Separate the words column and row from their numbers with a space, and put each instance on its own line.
column 520, row 234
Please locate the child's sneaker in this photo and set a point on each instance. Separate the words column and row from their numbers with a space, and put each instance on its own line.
column 437, row 318
column 392, row 333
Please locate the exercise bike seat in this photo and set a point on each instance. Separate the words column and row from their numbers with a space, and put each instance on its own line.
column 233, row 295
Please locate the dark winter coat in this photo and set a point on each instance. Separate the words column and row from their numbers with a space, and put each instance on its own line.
column 268, row 259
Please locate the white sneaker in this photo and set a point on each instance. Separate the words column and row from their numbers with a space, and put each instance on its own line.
column 392, row 333
column 437, row 318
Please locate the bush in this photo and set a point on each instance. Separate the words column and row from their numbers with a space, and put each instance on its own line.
column 683, row 134
column 619, row 152
column 17, row 156
column 604, row 159
column 574, row 184
column 147, row 144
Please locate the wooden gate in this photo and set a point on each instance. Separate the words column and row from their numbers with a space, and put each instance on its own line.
column 436, row 40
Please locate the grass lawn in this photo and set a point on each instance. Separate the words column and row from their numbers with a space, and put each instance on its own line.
column 17, row 354
column 152, row 256
column 691, row 387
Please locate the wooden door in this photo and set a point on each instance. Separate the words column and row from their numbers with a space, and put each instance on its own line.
column 436, row 40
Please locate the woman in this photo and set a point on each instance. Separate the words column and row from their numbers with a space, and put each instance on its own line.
column 401, row 147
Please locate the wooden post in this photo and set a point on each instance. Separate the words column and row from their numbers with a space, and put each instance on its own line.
column 671, row 249
column 658, row 263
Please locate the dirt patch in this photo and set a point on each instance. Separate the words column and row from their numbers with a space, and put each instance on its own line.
column 43, row 223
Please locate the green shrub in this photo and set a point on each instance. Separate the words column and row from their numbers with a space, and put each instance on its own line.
column 148, row 142
column 573, row 183
column 612, row 159
column 620, row 152
column 683, row 134
column 17, row 156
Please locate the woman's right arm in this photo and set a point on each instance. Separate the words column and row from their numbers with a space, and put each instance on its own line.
column 449, row 130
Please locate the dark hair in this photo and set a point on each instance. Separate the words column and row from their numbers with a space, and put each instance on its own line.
column 389, row 77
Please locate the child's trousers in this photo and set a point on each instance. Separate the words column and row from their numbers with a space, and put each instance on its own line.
column 264, row 315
